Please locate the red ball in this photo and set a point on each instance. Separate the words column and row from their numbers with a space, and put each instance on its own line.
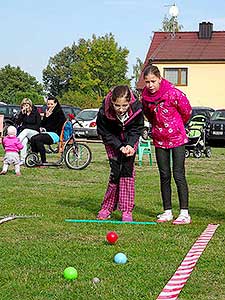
column 112, row 237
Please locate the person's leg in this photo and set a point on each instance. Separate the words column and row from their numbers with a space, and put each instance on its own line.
column 181, row 183
column 17, row 169
column 24, row 137
column 37, row 144
column 4, row 168
column 127, row 188
column 179, row 175
column 112, row 192
column 163, row 162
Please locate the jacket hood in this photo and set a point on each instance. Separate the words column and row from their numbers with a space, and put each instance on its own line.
column 165, row 85
column 108, row 108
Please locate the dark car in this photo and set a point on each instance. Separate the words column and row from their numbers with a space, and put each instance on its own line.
column 216, row 128
column 202, row 110
column 70, row 110
column 10, row 112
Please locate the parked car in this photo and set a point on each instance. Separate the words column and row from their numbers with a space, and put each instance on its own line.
column 10, row 112
column 216, row 128
column 85, row 124
column 202, row 110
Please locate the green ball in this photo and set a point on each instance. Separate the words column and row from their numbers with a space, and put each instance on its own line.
column 70, row 273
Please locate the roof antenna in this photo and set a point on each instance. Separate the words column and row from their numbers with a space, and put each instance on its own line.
column 173, row 12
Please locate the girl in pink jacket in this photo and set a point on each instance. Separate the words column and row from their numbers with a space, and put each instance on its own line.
column 12, row 146
column 168, row 110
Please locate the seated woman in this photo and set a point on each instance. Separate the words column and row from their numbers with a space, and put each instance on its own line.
column 29, row 124
column 52, row 124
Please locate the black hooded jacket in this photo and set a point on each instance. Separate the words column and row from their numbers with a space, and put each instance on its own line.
column 114, row 133
column 55, row 121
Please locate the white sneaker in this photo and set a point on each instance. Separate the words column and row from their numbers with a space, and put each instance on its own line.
column 182, row 220
column 21, row 163
column 165, row 217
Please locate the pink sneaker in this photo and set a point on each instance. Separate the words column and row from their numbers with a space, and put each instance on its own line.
column 2, row 173
column 182, row 220
column 127, row 216
column 103, row 214
column 18, row 174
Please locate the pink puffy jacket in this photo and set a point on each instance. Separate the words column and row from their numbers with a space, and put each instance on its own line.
column 167, row 110
column 12, row 144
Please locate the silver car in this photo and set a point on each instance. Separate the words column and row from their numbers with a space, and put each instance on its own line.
column 85, row 123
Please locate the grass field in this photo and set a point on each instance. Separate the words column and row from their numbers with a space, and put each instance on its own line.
column 34, row 252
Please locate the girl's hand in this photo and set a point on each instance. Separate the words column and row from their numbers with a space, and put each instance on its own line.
column 128, row 150
column 123, row 149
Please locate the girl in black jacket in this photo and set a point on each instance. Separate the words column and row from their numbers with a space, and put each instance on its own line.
column 120, row 122
column 51, row 124
column 29, row 125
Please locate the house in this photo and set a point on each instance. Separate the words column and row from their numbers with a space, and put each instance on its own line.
column 193, row 61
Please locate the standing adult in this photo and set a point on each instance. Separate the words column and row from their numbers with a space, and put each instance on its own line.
column 168, row 109
column 28, row 123
column 51, row 126
column 120, row 122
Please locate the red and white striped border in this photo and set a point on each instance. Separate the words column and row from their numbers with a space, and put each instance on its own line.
column 174, row 286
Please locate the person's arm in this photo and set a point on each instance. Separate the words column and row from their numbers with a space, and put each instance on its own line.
column 183, row 106
column 134, row 130
column 19, row 146
column 104, row 131
column 148, row 110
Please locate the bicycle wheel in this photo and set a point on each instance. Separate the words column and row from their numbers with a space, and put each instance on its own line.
column 32, row 160
column 78, row 156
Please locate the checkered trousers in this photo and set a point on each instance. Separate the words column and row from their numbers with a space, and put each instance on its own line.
column 120, row 195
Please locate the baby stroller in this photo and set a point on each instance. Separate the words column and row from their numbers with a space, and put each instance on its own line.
column 197, row 138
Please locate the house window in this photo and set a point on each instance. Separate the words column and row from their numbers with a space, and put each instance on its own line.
column 178, row 76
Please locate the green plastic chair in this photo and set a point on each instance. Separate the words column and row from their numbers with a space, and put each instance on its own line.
column 144, row 147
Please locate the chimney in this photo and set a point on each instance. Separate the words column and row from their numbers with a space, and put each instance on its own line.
column 205, row 30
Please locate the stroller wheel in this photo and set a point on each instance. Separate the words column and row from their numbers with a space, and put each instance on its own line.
column 187, row 153
column 197, row 153
column 208, row 152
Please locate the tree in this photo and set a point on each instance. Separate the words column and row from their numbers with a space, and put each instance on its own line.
column 137, row 68
column 90, row 68
column 57, row 74
column 15, row 84
column 170, row 24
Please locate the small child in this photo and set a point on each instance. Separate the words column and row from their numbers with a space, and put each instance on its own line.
column 12, row 146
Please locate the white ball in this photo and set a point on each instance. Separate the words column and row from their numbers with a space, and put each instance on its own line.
column 95, row 280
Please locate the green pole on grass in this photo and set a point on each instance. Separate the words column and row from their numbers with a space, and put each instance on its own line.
column 109, row 222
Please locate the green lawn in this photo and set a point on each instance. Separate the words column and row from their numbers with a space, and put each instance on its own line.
column 34, row 252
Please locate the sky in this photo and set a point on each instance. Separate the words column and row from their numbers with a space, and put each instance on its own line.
column 32, row 31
